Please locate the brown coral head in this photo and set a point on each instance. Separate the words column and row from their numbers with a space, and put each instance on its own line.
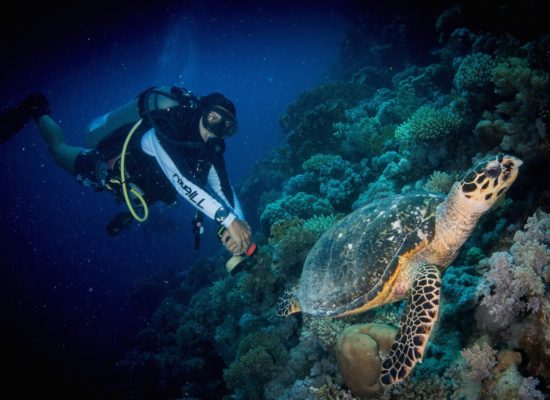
column 487, row 181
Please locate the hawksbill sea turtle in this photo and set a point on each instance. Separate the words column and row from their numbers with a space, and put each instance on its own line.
column 395, row 248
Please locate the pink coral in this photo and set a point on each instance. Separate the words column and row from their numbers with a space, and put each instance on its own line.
column 481, row 360
column 513, row 284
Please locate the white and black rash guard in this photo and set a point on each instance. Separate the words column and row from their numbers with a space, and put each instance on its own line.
column 190, row 191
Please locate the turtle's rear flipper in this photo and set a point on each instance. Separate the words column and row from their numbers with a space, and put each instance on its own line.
column 416, row 325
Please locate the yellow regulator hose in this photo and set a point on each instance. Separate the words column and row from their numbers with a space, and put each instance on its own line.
column 133, row 191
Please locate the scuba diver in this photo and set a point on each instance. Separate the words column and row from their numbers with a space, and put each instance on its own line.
column 164, row 142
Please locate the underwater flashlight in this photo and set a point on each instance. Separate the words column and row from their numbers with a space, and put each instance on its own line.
column 235, row 262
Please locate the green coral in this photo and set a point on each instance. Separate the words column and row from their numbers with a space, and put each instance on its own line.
column 318, row 162
column 525, row 99
column 428, row 124
column 291, row 243
column 362, row 138
column 299, row 205
column 308, row 122
column 257, row 286
column 440, row 181
column 513, row 77
column 339, row 181
column 270, row 342
column 291, row 240
column 474, row 73
column 510, row 75
column 319, row 224
column 258, row 357
column 250, row 372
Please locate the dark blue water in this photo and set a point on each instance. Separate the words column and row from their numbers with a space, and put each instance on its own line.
column 66, row 306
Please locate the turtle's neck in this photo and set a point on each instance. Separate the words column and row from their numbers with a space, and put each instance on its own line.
column 455, row 221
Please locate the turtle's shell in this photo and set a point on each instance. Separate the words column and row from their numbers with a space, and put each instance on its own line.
column 351, row 262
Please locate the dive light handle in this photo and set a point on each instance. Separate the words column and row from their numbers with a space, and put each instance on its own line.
column 251, row 249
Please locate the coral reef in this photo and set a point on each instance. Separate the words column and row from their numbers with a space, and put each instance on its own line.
column 428, row 124
column 382, row 128
column 258, row 356
column 301, row 205
column 308, row 122
column 440, row 182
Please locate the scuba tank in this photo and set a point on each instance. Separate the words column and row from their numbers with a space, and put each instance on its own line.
column 150, row 100
column 101, row 127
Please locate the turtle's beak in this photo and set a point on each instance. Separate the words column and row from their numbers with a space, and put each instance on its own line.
column 510, row 166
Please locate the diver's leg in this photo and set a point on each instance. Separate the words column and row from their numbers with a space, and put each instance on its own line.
column 63, row 154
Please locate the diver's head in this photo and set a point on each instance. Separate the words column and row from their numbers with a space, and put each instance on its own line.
column 218, row 115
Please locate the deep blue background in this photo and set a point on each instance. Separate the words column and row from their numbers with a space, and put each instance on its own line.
column 65, row 284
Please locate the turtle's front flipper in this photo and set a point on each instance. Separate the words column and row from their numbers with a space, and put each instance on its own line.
column 416, row 325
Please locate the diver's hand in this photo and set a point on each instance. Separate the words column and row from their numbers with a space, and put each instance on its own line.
column 228, row 243
column 240, row 235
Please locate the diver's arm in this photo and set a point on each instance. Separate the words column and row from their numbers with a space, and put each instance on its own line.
column 190, row 191
column 239, row 230
column 218, row 181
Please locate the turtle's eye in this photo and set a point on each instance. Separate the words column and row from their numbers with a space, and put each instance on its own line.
column 493, row 169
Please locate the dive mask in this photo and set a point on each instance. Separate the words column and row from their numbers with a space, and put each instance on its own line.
column 219, row 121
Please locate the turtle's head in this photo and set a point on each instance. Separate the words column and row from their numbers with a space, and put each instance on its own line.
column 485, row 183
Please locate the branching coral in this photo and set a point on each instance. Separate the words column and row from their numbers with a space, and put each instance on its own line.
column 528, row 390
column 514, row 284
column 291, row 240
column 319, row 224
column 428, row 124
column 531, row 245
column 481, row 359
column 306, row 183
column 339, row 180
column 364, row 136
column 301, row 372
column 525, row 101
column 291, row 243
column 258, row 356
column 474, row 73
column 511, row 286
column 299, row 205
column 440, row 181
column 394, row 169
column 383, row 187
column 308, row 122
